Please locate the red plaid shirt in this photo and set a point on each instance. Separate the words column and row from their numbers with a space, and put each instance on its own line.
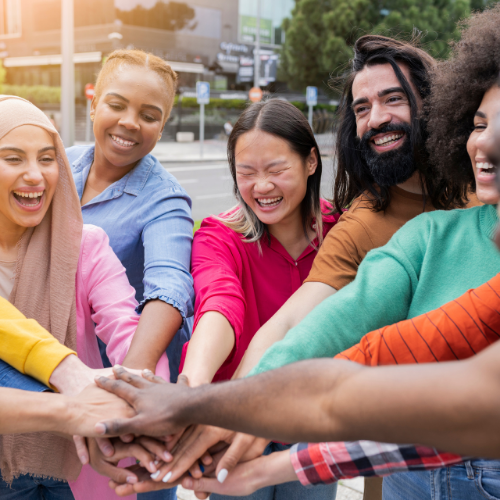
column 323, row 463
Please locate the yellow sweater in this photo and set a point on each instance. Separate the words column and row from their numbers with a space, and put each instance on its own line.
column 27, row 346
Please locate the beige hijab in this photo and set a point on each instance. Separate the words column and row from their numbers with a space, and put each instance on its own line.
column 44, row 289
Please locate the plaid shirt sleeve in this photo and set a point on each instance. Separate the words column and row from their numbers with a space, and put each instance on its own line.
column 324, row 463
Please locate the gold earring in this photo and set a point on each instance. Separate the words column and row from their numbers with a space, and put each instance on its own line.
column 159, row 137
column 92, row 118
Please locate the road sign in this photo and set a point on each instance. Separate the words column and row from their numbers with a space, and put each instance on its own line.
column 312, row 96
column 255, row 94
column 203, row 92
column 89, row 91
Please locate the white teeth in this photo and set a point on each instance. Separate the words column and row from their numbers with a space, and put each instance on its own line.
column 387, row 138
column 267, row 202
column 122, row 142
column 23, row 194
column 486, row 166
column 35, row 196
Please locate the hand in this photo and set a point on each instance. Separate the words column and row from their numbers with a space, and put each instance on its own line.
column 196, row 445
column 107, row 466
column 247, row 477
column 143, row 485
column 90, row 407
column 159, row 407
column 71, row 376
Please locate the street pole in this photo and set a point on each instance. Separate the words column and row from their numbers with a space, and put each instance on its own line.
column 67, row 74
column 310, row 117
column 256, row 63
column 202, row 128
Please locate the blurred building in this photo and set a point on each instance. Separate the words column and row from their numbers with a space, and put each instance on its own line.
column 202, row 39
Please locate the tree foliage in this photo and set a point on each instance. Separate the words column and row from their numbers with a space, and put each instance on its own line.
column 320, row 33
column 171, row 16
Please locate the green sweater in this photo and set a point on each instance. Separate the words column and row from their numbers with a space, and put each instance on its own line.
column 431, row 260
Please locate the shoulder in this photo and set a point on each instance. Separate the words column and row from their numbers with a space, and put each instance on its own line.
column 93, row 235
column 215, row 227
column 75, row 152
column 443, row 219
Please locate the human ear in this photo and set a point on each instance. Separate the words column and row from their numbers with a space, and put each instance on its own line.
column 312, row 161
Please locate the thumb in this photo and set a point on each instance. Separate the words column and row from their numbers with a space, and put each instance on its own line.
column 232, row 456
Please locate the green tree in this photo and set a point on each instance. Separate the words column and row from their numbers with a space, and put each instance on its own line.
column 320, row 33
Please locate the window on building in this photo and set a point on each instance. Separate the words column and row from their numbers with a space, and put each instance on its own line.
column 272, row 15
column 10, row 18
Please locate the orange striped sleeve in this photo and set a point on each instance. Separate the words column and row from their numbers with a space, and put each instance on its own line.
column 457, row 330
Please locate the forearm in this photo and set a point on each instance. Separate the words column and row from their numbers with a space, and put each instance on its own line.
column 436, row 405
column 295, row 309
column 158, row 324
column 22, row 411
column 211, row 344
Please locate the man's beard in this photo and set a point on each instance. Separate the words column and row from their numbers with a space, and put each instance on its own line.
column 391, row 167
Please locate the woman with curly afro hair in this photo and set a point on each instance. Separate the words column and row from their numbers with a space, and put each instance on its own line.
column 464, row 99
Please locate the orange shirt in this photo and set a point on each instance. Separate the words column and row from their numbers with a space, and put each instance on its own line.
column 457, row 330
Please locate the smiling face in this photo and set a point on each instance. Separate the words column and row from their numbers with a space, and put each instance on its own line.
column 129, row 116
column 271, row 177
column 484, row 172
column 383, row 116
column 29, row 174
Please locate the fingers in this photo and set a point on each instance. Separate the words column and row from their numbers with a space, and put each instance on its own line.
column 105, row 446
column 183, row 380
column 132, row 379
column 135, row 450
column 192, row 449
column 118, row 426
column 202, row 486
column 119, row 388
column 81, row 449
column 156, row 447
column 151, row 377
column 239, row 447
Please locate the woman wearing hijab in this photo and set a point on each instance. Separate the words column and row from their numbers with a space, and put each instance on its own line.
column 45, row 250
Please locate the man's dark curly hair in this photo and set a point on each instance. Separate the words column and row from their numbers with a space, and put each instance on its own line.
column 458, row 86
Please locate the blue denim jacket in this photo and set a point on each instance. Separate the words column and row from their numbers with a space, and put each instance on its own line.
column 147, row 217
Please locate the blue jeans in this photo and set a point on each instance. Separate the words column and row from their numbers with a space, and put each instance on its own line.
column 11, row 378
column 287, row 491
column 32, row 488
column 158, row 495
column 475, row 480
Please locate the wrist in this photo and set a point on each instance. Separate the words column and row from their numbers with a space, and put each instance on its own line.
column 71, row 376
column 277, row 468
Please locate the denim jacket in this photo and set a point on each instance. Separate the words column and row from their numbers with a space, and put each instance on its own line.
column 147, row 217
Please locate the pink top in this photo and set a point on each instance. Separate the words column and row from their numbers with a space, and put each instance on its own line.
column 246, row 286
column 105, row 306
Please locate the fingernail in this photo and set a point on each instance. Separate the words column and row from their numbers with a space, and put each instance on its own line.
column 155, row 475
column 201, row 468
column 187, row 483
column 167, row 477
column 108, row 450
column 146, row 370
column 167, row 456
column 83, row 459
column 221, row 476
column 131, row 479
column 152, row 465
column 156, row 462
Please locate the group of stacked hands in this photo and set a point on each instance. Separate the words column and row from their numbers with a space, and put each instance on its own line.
column 435, row 282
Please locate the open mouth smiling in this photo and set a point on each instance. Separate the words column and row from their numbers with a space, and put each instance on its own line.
column 387, row 141
column 269, row 202
column 29, row 199
column 124, row 143
column 486, row 171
